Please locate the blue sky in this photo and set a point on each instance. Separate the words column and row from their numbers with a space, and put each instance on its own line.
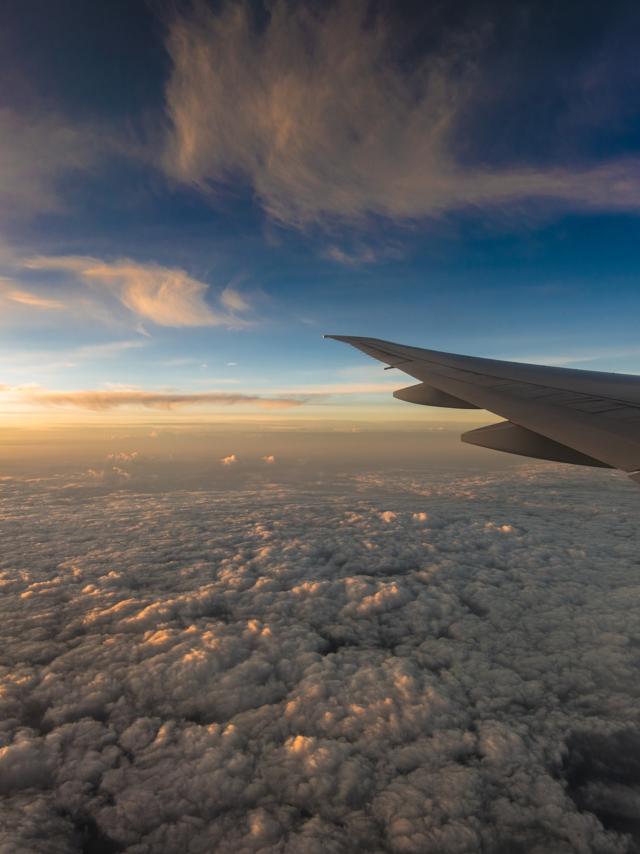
column 192, row 197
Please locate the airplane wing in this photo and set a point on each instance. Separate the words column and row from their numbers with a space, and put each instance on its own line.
column 561, row 414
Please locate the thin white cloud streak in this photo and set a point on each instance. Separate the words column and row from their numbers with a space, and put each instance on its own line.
column 318, row 390
column 39, row 362
column 344, row 388
column 358, row 257
column 233, row 300
column 100, row 400
column 111, row 348
column 312, row 114
column 579, row 358
column 167, row 296
column 32, row 300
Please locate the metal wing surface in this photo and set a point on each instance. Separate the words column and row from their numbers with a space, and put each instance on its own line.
column 562, row 414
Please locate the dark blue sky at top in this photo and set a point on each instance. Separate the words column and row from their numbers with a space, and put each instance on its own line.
column 561, row 87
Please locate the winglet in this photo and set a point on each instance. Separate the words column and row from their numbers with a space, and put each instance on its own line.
column 384, row 351
column 358, row 340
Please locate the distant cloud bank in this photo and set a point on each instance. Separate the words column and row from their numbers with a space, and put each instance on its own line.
column 101, row 400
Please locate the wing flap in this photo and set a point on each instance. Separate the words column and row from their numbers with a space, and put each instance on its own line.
column 513, row 439
column 427, row 395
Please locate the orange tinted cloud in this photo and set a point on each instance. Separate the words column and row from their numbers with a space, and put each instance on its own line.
column 27, row 298
column 168, row 296
column 103, row 400
column 310, row 109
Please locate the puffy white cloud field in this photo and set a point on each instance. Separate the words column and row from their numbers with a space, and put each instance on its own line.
column 379, row 661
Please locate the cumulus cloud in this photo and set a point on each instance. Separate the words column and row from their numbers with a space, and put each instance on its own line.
column 309, row 108
column 123, row 456
column 385, row 668
column 110, row 399
column 167, row 296
column 229, row 460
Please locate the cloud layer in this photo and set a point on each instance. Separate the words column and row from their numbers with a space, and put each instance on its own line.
column 102, row 400
column 314, row 111
column 383, row 662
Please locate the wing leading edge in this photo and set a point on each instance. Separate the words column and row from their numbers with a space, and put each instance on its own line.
column 561, row 414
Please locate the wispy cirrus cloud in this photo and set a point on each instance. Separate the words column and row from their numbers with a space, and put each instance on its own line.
column 311, row 111
column 605, row 354
column 30, row 364
column 166, row 296
column 361, row 255
column 36, row 150
column 346, row 388
column 28, row 298
column 234, row 300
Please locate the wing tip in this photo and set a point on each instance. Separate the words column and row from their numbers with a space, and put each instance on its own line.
column 349, row 339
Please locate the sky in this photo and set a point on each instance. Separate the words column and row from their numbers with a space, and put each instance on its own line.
column 192, row 194
column 249, row 602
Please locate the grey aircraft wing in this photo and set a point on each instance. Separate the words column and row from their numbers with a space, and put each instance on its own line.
column 561, row 414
